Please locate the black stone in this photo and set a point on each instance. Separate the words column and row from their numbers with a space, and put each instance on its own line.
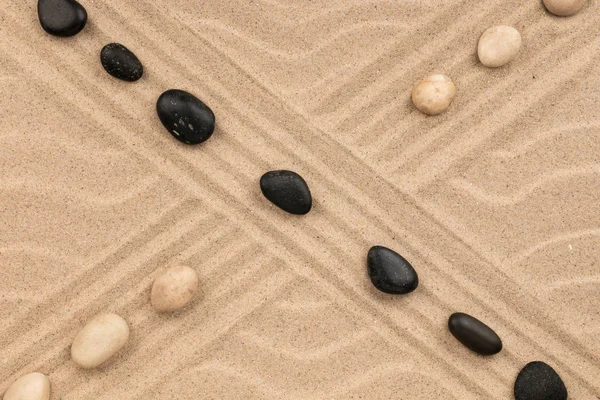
column 121, row 63
column 287, row 190
column 390, row 272
column 62, row 17
column 538, row 381
column 474, row 334
column 187, row 118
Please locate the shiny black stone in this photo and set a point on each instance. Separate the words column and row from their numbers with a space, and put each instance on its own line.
column 62, row 17
column 474, row 334
column 390, row 272
column 187, row 118
column 121, row 63
column 538, row 381
column 287, row 190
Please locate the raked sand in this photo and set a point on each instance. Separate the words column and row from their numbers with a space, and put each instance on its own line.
column 494, row 202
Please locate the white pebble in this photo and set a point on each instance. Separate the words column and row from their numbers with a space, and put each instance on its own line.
column 34, row 386
column 498, row 46
column 433, row 94
column 564, row 8
column 173, row 289
column 99, row 340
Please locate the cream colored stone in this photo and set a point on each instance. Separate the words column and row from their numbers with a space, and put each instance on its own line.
column 34, row 386
column 173, row 289
column 498, row 46
column 433, row 94
column 564, row 8
column 99, row 340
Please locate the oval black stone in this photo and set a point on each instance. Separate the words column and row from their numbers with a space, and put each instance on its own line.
column 538, row 381
column 187, row 118
column 474, row 334
column 287, row 190
column 121, row 63
column 390, row 272
column 62, row 17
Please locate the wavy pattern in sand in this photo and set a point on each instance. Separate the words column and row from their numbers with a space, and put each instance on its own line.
column 331, row 344
column 286, row 310
column 528, row 200
column 523, row 193
column 582, row 131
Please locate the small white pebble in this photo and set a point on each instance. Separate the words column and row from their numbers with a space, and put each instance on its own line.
column 34, row 386
column 564, row 8
column 498, row 46
column 433, row 94
column 99, row 340
column 174, row 288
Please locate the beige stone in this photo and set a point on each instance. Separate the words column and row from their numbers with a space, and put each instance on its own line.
column 99, row 340
column 34, row 386
column 174, row 288
column 498, row 45
column 564, row 8
column 433, row 94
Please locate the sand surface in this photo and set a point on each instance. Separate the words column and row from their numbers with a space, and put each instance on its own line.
column 495, row 202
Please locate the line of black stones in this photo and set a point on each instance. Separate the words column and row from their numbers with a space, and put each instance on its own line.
column 191, row 121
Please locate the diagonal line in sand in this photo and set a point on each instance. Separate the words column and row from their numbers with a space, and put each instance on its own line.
column 409, row 64
column 56, row 357
column 82, row 306
column 224, row 320
column 152, row 332
column 192, row 185
column 393, row 161
column 386, row 150
column 565, row 336
column 432, row 169
column 125, row 246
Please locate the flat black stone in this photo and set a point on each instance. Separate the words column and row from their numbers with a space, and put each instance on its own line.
column 62, row 17
column 474, row 334
column 538, row 381
column 121, row 63
column 390, row 272
column 287, row 190
column 187, row 118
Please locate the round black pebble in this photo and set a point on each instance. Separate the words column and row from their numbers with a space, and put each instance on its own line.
column 121, row 63
column 474, row 334
column 62, row 17
column 287, row 190
column 538, row 381
column 187, row 118
column 390, row 272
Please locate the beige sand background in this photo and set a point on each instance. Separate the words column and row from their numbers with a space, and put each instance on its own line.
column 494, row 202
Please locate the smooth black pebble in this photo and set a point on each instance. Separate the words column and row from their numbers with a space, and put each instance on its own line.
column 474, row 334
column 538, row 381
column 62, row 17
column 390, row 272
column 287, row 190
column 121, row 63
column 187, row 118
